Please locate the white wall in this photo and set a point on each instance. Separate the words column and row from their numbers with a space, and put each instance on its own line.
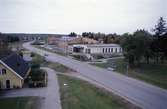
column 99, row 50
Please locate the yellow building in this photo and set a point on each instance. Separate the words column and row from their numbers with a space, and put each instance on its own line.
column 13, row 71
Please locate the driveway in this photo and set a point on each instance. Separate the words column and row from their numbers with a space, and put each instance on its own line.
column 50, row 93
column 135, row 91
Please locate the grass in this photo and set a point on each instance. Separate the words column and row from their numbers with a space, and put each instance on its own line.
column 152, row 73
column 20, row 103
column 57, row 52
column 101, row 65
column 79, row 94
column 16, row 45
column 80, row 57
column 58, row 67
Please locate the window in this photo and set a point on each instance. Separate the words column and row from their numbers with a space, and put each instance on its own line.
column 103, row 50
column 111, row 49
column 89, row 51
column 3, row 71
column 115, row 50
column 120, row 50
column 106, row 50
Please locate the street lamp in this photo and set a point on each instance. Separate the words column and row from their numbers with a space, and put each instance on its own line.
column 127, row 68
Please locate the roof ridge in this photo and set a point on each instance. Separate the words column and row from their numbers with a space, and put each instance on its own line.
column 6, row 57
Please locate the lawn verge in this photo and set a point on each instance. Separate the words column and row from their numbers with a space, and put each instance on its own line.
column 20, row 103
column 79, row 94
column 152, row 73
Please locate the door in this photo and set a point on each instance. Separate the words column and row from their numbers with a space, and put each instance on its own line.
column 8, row 84
column 0, row 85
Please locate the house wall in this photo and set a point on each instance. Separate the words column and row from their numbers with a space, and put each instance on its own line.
column 81, row 40
column 100, row 49
column 15, row 81
column 105, row 50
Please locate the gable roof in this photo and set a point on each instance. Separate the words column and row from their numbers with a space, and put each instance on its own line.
column 17, row 64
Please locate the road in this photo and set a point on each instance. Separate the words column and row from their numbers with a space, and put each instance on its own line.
column 50, row 93
column 140, row 93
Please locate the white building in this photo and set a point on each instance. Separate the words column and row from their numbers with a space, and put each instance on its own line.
column 97, row 49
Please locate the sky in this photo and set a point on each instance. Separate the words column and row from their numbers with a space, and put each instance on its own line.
column 65, row 16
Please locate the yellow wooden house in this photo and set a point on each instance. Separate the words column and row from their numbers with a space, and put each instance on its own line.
column 13, row 71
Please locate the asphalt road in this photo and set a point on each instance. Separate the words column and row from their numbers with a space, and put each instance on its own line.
column 145, row 95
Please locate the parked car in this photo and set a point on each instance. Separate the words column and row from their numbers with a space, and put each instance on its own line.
column 46, row 54
column 110, row 69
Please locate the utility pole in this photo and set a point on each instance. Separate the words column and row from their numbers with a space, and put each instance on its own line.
column 127, row 68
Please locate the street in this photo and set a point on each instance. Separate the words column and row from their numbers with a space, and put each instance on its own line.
column 135, row 91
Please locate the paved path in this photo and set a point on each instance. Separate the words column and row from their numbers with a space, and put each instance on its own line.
column 50, row 93
column 137, row 92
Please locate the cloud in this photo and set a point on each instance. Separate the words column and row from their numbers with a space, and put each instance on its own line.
column 64, row 16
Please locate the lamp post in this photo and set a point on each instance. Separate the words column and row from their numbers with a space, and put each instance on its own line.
column 127, row 68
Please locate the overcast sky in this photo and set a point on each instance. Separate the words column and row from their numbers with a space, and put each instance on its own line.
column 64, row 16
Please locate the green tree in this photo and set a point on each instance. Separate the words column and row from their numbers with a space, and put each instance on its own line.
column 72, row 34
column 136, row 46
column 160, row 28
column 128, row 46
column 159, row 43
column 4, row 48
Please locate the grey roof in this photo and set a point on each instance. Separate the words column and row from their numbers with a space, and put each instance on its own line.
column 16, row 63
column 98, row 45
column 103, row 45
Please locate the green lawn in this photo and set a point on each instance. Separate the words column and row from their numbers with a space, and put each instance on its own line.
column 155, row 74
column 20, row 103
column 57, row 52
column 81, row 95
column 101, row 65
column 58, row 67
column 16, row 45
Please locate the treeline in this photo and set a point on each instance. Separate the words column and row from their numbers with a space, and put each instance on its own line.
column 9, row 38
column 4, row 49
column 105, row 38
column 143, row 46
column 139, row 46
column 101, row 37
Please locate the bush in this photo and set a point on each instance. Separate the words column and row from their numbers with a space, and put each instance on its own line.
column 37, row 78
column 81, row 57
column 37, row 75
column 21, row 54
column 35, row 65
column 32, row 54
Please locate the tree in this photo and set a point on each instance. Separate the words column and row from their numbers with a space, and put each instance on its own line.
column 163, row 46
column 136, row 46
column 128, row 47
column 159, row 43
column 143, row 42
column 4, row 48
column 160, row 29
column 72, row 34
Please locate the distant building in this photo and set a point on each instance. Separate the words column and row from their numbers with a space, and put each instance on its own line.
column 64, row 41
column 82, row 40
column 52, row 40
column 96, row 49
column 13, row 71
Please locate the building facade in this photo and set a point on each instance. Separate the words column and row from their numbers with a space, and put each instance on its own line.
column 13, row 71
column 96, row 49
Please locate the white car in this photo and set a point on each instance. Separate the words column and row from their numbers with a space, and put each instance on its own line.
column 110, row 69
column 46, row 54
